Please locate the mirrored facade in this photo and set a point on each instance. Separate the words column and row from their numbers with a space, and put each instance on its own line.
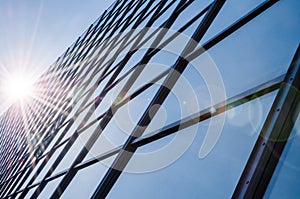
column 164, row 99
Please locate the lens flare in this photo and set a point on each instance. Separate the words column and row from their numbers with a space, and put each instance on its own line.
column 18, row 87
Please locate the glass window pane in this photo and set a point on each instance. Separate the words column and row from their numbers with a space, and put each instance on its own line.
column 286, row 178
column 86, row 180
column 192, row 175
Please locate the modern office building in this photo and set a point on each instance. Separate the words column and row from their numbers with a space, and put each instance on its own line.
column 164, row 99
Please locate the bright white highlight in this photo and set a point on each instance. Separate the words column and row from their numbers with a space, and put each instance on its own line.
column 18, row 87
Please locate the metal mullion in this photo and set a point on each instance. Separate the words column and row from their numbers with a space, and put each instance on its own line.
column 123, row 157
column 7, row 185
column 69, row 176
column 33, row 111
column 157, row 13
column 83, row 43
column 61, row 59
column 40, row 167
column 232, row 31
column 86, row 45
column 23, row 177
column 232, row 28
column 12, row 181
column 112, row 71
column 13, row 187
column 205, row 114
column 142, row 43
column 273, row 136
column 5, row 141
column 108, row 26
column 118, row 23
column 8, row 148
column 16, row 178
column 115, row 5
column 142, row 15
column 121, row 21
column 40, row 144
column 52, row 103
column 10, row 153
column 53, row 66
column 78, row 44
column 68, row 145
column 113, row 25
column 110, row 62
column 13, row 159
column 50, row 126
column 26, row 167
column 97, row 27
column 29, row 168
column 58, row 158
column 86, row 92
column 94, row 50
column 114, row 41
column 61, row 101
column 21, row 156
column 122, row 63
column 162, row 45
column 10, row 178
column 4, row 188
column 137, row 40
column 139, row 91
column 65, row 171
column 124, row 101
column 51, row 153
column 226, row 105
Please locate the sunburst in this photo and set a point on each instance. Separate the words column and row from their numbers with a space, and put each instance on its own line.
column 18, row 87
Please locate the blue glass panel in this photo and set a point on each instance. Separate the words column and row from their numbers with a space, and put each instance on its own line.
column 286, row 178
column 260, row 50
column 87, row 179
column 50, row 187
column 159, row 171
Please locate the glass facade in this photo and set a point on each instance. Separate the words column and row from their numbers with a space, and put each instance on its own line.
column 164, row 99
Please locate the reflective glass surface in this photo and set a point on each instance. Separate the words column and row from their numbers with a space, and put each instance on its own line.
column 173, row 167
column 286, row 178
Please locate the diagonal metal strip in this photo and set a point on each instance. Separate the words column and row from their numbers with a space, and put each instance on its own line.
column 126, row 153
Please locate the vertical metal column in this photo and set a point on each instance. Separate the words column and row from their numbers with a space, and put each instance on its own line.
column 273, row 137
column 128, row 150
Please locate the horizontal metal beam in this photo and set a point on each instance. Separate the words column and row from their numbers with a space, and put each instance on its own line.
column 273, row 137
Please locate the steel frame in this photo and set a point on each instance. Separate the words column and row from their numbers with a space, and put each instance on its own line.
column 51, row 117
column 273, row 137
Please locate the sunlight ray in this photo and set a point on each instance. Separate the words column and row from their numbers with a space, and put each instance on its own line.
column 27, row 130
column 34, row 33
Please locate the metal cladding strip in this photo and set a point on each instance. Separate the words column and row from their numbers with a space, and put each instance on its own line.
column 137, row 23
column 62, row 135
column 238, row 24
column 123, row 157
column 48, row 179
column 233, row 102
column 65, row 149
column 273, row 137
column 70, row 175
column 70, row 143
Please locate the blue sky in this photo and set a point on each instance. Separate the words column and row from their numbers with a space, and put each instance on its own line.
column 35, row 32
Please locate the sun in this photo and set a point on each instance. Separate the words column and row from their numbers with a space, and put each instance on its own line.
column 18, row 87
